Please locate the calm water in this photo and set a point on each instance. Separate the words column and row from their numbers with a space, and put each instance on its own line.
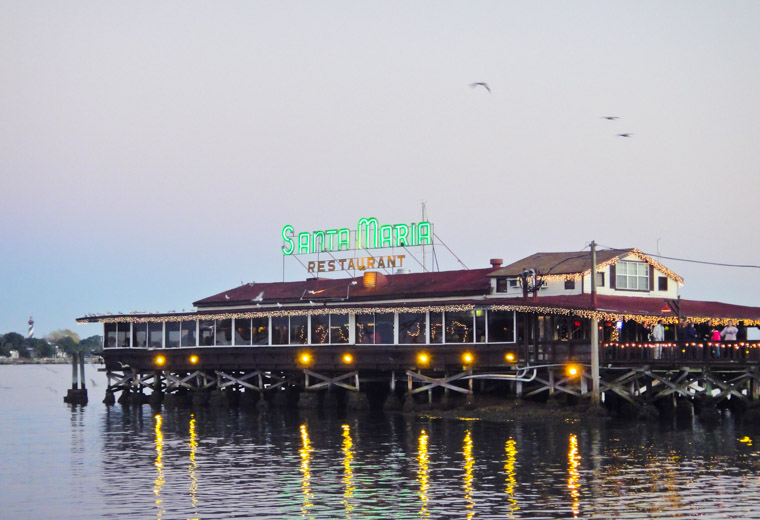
column 94, row 462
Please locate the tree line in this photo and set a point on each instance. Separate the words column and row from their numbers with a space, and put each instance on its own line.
column 66, row 340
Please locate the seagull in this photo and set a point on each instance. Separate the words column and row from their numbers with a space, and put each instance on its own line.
column 226, row 296
column 624, row 135
column 481, row 84
column 259, row 297
column 610, row 118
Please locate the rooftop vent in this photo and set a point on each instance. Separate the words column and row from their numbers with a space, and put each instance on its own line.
column 403, row 270
column 496, row 262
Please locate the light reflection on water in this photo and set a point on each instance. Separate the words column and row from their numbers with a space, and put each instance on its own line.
column 97, row 462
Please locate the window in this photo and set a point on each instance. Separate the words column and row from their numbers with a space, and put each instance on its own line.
column 140, row 335
column 338, row 328
column 242, row 331
column 156, row 335
column 436, row 327
column 260, row 331
column 171, row 334
column 600, row 279
column 299, row 332
column 122, row 336
column 320, row 329
column 109, row 330
column 375, row 328
column 224, row 331
column 662, row 283
column 501, row 326
column 633, row 276
column 187, row 333
column 280, row 334
column 506, row 284
column 459, row 327
column 206, row 332
column 569, row 284
column 412, row 327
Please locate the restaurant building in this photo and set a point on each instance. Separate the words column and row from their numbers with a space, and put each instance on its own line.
column 521, row 323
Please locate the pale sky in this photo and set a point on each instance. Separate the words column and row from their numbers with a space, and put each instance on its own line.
column 150, row 152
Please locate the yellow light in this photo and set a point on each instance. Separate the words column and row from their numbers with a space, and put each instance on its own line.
column 573, row 370
column 468, row 358
column 348, row 358
column 423, row 358
column 305, row 358
column 193, row 359
column 160, row 360
column 510, row 357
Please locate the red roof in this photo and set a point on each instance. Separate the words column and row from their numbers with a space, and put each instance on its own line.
column 389, row 287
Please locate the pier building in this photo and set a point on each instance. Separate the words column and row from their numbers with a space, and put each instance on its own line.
column 525, row 329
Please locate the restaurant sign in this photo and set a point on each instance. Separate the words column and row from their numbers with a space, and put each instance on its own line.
column 369, row 234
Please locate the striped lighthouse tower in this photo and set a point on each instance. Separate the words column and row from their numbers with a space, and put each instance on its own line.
column 31, row 328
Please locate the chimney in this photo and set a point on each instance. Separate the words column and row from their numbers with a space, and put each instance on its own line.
column 496, row 262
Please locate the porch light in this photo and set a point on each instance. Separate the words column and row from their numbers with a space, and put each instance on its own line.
column 305, row 359
column 423, row 359
column 193, row 359
column 510, row 357
column 468, row 358
column 160, row 360
column 348, row 358
column 573, row 370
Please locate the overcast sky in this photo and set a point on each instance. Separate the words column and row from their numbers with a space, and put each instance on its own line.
column 150, row 152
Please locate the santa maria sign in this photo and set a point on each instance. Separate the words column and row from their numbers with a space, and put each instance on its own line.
column 369, row 234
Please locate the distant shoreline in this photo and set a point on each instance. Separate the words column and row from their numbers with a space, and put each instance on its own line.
column 38, row 361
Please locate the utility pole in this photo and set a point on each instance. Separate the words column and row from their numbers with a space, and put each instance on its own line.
column 595, row 393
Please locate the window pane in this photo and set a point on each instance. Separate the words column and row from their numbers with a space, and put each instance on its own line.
column 188, row 333
column 480, row 325
column 242, row 331
column 384, row 328
column 412, row 327
column 109, row 331
column 338, row 328
column 122, row 335
column 171, row 333
column 365, row 328
column 320, row 329
column 260, row 330
column 459, row 327
column 436, row 327
column 156, row 335
column 224, row 332
column 280, row 334
column 206, row 333
column 501, row 326
column 140, row 335
column 299, row 334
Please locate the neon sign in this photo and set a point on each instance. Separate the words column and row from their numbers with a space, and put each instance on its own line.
column 369, row 234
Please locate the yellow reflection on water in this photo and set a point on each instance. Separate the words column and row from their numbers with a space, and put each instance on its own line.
column 159, row 481
column 509, row 469
column 573, row 481
column 746, row 440
column 305, row 453
column 193, row 466
column 348, row 472
column 469, row 464
column 422, row 471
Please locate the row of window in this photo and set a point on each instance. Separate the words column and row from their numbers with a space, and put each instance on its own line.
column 378, row 328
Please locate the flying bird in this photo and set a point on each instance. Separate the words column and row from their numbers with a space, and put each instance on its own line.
column 226, row 296
column 258, row 297
column 610, row 118
column 624, row 135
column 481, row 84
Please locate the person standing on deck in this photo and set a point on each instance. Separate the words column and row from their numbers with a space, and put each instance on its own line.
column 729, row 332
column 658, row 335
